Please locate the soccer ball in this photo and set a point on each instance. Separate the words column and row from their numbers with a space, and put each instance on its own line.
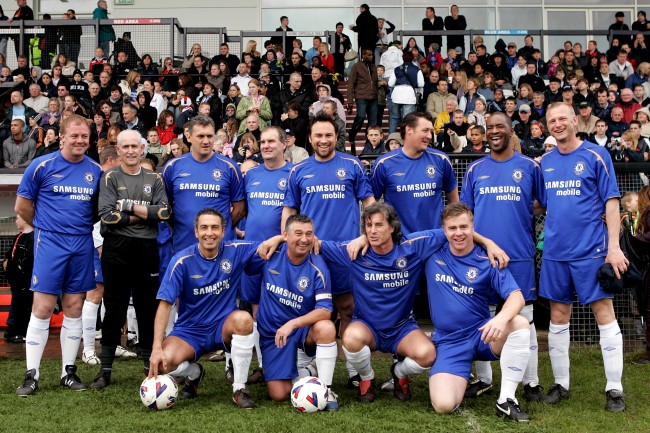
column 309, row 395
column 159, row 393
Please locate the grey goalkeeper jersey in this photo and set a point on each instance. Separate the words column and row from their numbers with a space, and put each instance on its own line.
column 146, row 188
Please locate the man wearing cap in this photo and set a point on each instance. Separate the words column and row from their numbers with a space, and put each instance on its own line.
column 619, row 24
column 432, row 22
column 553, row 93
column 512, row 55
column 293, row 153
column 522, row 127
column 531, row 78
column 586, row 120
column 567, row 95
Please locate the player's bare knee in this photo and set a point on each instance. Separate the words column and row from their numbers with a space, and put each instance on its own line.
column 242, row 322
column 444, row 405
column 425, row 355
column 518, row 322
column 324, row 331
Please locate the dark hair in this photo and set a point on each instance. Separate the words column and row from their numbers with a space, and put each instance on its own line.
column 199, row 120
column 507, row 118
column 389, row 214
column 455, row 209
column 293, row 106
column 297, row 218
column 411, row 120
column 339, row 24
column 479, row 128
column 322, row 118
column 210, row 211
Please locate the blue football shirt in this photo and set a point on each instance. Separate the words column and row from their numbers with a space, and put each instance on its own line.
column 192, row 185
column 459, row 289
column 502, row 194
column 329, row 193
column 265, row 192
column 414, row 187
column 385, row 285
column 290, row 291
column 64, row 193
column 207, row 289
column 578, row 185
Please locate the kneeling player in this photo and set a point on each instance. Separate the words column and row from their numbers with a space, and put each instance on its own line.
column 385, row 282
column 294, row 312
column 204, row 279
column 461, row 281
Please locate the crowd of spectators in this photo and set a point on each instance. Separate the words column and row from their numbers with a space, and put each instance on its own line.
column 286, row 85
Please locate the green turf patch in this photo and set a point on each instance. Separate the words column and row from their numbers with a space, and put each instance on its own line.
column 118, row 408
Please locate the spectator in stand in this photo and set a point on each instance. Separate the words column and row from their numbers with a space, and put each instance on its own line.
column 284, row 27
column 435, row 23
column 48, row 89
column 242, row 79
column 254, row 103
column 518, row 71
column 17, row 109
column 569, row 64
column 340, row 46
column 601, row 136
column 616, row 125
column 374, row 145
column 314, row 51
column 407, row 82
column 366, row 28
column 362, row 88
column 621, row 68
column 23, row 13
column 640, row 96
column 436, row 100
column 297, row 65
column 640, row 48
column 602, row 108
column 106, row 33
column 293, row 120
column 522, row 126
column 533, row 145
column 579, row 55
column 619, row 24
column 586, row 120
column 628, row 105
column 639, row 77
column 454, row 136
column 165, row 127
column 67, row 66
column 330, row 109
column 50, row 118
column 326, row 57
column 37, row 101
column 454, row 21
column 445, row 116
column 532, row 78
column 125, row 45
column 224, row 54
column 18, row 150
column 527, row 49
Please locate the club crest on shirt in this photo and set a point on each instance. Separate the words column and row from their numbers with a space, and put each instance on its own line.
column 226, row 266
column 216, row 174
column 147, row 189
column 471, row 274
column 282, row 184
column 89, row 177
column 401, row 263
column 341, row 173
column 517, row 175
column 303, row 283
column 579, row 168
column 431, row 171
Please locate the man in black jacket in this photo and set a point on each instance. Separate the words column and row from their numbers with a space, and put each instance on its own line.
column 455, row 22
column 288, row 41
column 366, row 28
column 432, row 22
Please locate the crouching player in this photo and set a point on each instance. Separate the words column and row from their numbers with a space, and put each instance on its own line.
column 461, row 281
column 385, row 282
column 294, row 312
column 204, row 278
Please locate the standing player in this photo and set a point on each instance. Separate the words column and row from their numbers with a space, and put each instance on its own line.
column 295, row 310
column 412, row 179
column 327, row 187
column 201, row 179
column 132, row 201
column 507, row 183
column 58, row 196
column 580, row 188
column 461, row 282
column 204, row 278
column 265, row 187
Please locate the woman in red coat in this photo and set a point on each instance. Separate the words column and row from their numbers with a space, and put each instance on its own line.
column 327, row 58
